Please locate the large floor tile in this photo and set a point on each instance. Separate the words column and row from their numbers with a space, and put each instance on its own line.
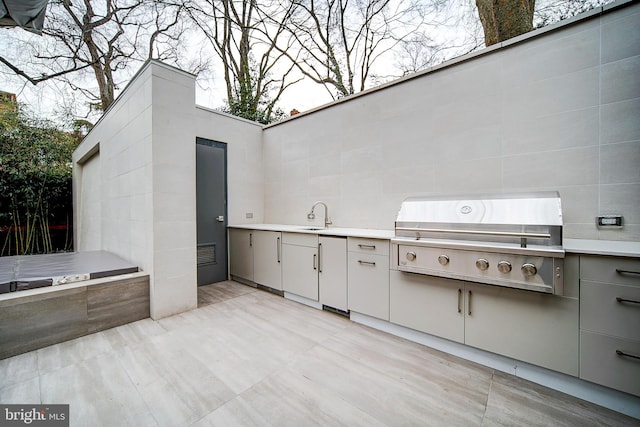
column 24, row 392
column 99, row 393
column 517, row 402
column 252, row 358
column 289, row 398
column 16, row 369
column 70, row 352
column 237, row 413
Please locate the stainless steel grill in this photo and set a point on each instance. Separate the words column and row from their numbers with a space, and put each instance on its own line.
column 512, row 240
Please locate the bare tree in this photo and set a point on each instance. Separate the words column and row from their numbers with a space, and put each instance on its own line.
column 549, row 11
column 244, row 37
column 340, row 41
column 101, row 38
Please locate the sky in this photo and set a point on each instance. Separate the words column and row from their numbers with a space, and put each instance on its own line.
column 46, row 99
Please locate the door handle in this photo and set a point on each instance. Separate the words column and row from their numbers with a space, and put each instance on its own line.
column 459, row 300
column 315, row 258
column 278, row 248
column 630, row 301
column 220, row 218
column 622, row 353
column 469, row 304
column 621, row 271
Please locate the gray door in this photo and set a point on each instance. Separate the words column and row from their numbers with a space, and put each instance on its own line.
column 211, row 200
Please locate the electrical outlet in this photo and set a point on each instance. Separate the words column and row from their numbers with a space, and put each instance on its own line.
column 610, row 221
column 248, row 215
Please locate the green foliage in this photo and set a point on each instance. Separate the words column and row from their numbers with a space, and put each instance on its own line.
column 245, row 107
column 35, row 183
column 251, row 96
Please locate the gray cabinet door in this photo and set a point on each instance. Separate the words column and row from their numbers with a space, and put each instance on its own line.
column 267, row 258
column 332, row 271
column 300, row 270
column 241, row 248
column 534, row 327
column 429, row 304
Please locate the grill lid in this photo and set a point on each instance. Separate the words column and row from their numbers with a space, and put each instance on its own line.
column 531, row 218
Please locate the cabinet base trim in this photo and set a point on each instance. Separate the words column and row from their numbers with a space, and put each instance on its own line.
column 303, row 300
column 243, row 281
column 603, row 396
column 271, row 290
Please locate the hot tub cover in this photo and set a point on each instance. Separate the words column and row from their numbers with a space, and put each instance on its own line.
column 32, row 271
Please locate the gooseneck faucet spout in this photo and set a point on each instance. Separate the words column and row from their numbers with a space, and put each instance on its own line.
column 312, row 215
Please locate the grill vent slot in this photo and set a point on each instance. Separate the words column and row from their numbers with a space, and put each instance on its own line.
column 207, row 254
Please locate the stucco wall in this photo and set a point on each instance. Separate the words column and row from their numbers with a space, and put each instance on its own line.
column 554, row 110
column 245, row 177
column 121, row 143
column 135, row 181
column 89, row 219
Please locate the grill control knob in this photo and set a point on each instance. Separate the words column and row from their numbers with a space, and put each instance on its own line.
column 443, row 260
column 482, row 264
column 411, row 256
column 529, row 269
column 504, row 266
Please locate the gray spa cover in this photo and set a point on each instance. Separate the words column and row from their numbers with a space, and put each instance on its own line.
column 28, row 271
column 28, row 14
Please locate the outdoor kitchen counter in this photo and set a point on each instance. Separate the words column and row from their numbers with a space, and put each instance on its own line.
column 573, row 246
column 602, row 247
column 331, row 231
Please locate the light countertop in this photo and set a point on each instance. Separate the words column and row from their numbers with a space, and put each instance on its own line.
column 575, row 246
column 369, row 233
column 602, row 247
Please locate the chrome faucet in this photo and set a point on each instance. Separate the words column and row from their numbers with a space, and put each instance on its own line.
column 327, row 220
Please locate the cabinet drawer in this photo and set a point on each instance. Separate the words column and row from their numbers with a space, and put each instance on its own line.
column 368, row 284
column 600, row 363
column 368, row 246
column 300, row 239
column 618, row 270
column 609, row 309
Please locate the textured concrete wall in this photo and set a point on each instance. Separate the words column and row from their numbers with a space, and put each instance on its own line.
column 89, row 224
column 121, row 144
column 556, row 109
column 135, row 181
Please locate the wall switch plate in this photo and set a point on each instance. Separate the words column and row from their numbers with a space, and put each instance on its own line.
column 248, row 215
column 610, row 221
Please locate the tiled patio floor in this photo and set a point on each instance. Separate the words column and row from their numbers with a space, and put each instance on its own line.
column 248, row 357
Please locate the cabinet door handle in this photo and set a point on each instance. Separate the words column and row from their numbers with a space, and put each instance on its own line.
column 319, row 257
column 469, row 304
column 315, row 259
column 366, row 246
column 630, row 301
column 278, row 248
column 622, row 353
column 366, row 263
column 459, row 300
column 621, row 271
column 250, row 239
